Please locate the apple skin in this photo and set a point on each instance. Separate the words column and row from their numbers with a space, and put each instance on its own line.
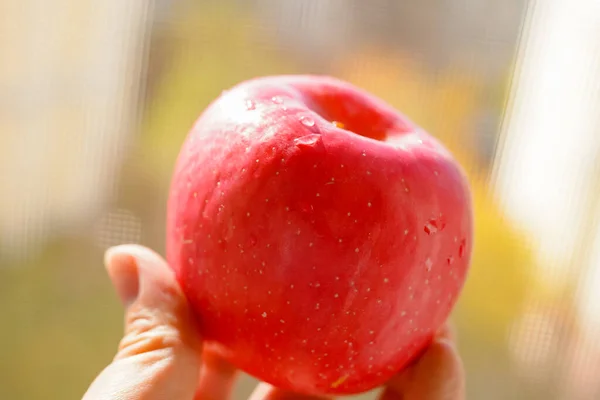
column 318, row 256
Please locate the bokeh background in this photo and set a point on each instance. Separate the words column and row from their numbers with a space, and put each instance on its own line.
column 97, row 96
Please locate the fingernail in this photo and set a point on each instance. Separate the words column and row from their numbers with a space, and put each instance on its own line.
column 123, row 271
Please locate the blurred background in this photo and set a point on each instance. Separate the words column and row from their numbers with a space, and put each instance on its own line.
column 97, row 97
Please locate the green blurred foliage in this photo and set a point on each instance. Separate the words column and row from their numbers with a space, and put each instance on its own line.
column 62, row 326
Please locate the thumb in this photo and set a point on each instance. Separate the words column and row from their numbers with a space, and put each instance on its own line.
column 437, row 375
column 159, row 355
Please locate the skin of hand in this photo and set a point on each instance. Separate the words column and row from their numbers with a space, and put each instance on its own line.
column 160, row 355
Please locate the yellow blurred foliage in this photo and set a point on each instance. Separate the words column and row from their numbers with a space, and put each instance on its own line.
column 501, row 272
column 444, row 104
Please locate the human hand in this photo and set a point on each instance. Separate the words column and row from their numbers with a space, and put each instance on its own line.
column 160, row 356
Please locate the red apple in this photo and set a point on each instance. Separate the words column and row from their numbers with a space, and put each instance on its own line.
column 319, row 235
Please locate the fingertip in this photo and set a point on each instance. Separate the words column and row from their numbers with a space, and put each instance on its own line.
column 437, row 374
column 217, row 377
column 261, row 392
column 216, row 362
column 152, row 297
column 447, row 331
column 124, row 275
column 444, row 357
column 265, row 391
column 147, row 269
column 138, row 252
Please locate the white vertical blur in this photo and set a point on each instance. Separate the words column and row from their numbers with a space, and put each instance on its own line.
column 546, row 171
column 70, row 78
column 545, row 166
column 320, row 27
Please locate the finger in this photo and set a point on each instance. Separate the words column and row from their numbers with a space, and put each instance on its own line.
column 264, row 391
column 448, row 331
column 437, row 375
column 158, row 357
column 217, row 377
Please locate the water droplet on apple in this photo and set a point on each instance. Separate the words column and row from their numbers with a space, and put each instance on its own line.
column 307, row 121
column 250, row 105
column 308, row 140
column 434, row 226
column 462, row 248
column 430, row 228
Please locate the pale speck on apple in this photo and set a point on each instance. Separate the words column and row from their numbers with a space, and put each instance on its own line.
column 428, row 264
